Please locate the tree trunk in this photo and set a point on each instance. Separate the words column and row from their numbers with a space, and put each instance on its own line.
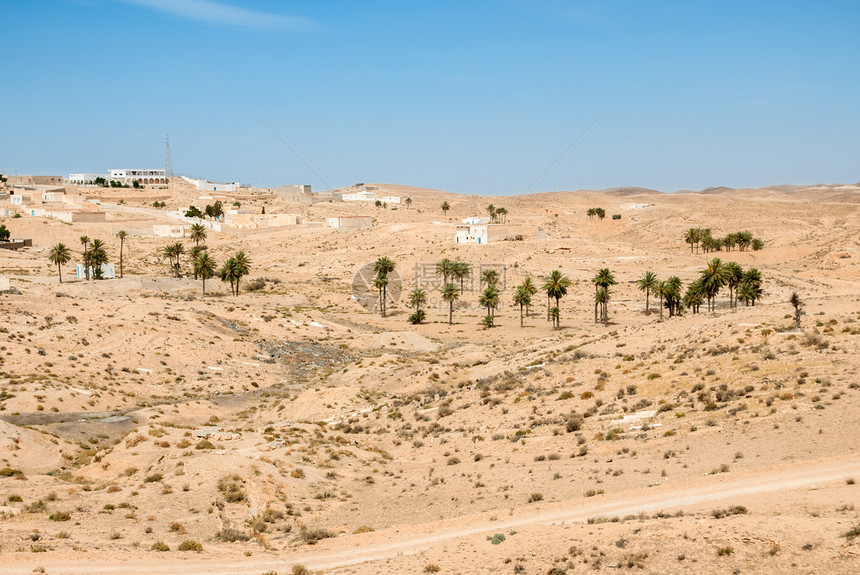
column 521, row 315
column 120, row 259
column 451, row 312
column 60, row 272
column 647, row 297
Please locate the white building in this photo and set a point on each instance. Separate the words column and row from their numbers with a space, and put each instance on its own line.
column 471, row 234
column 207, row 186
column 142, row 176
column 362, row 196
column 85, row 179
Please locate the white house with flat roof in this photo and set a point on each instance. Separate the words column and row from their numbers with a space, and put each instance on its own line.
column 85, row 179
column 142, row 176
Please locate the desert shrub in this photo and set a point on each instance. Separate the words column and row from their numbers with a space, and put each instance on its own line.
column 453, row 460
column 733, row 510
column 176, row 527
column 160, row 546
column 535, row 497
column 431, row 568
column 496, row 539
column 725, row 551
column 204, row 444
column 255, row 284
column 15, row 498
column 231, row 488
column 153, row 478
column 9, row 472
column 311, row 535
column 363, row 529
column 36, row 507
column 299, row 569
column 190, row 545
column 852, row 533
column 573, row 422
column 230, row 535
column 60, row 516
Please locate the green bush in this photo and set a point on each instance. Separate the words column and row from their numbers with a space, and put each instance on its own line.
column 160, row 546
column 496, row 539
column 190, row 545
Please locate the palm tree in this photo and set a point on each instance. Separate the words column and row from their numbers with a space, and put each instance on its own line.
column 229, row 272
column 556, row 285
column 450, row 295
column 601, row 299
column 555, row 316
column 97, row 257
column 173, row 253
column 243, row 267
column 382, row 267
column 692, row 237
column 522, row 298
column 60, row 256
column 85, row 242
column 646, row 283
column 121, row 235
column 734, row 275
column 417, row 298
column 204, row 268
column 713, row 278
column 660, row 290
column 744, row 240
column 490, row 300
column 750, row 290
column 445, row 268
column 491, row 209
column 530, row 288
column 461, row 271
column 672, row 295
column 445, row 208
column 797, row 304
column 603, row 279
column 694, row 296
column 380, row 282
column 197, row 233
column 408, row 202
column 490, row 277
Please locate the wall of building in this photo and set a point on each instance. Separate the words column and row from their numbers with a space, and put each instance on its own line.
column 349, row 223
column 169, row 231
column 85, row 179
column 35, row 180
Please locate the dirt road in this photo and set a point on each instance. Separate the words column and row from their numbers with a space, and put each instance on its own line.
column 351, row 550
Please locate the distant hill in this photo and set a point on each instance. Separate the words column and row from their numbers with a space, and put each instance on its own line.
column 628, row 191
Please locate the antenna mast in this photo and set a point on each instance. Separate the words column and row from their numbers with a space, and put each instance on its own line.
column 168, row 161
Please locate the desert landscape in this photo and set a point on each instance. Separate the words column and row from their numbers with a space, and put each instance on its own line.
column 292, row 428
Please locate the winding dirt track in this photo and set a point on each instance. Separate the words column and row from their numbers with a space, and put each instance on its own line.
column 382, row 545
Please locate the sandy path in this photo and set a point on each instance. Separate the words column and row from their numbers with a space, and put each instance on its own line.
column 410, row 540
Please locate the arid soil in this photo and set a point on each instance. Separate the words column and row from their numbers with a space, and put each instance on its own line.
column 145, row 428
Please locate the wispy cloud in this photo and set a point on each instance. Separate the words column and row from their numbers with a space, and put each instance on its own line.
column 212, row 12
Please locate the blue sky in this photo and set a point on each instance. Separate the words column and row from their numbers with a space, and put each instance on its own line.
column 476, row 97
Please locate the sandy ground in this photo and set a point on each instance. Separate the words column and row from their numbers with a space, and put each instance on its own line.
column 136, row 414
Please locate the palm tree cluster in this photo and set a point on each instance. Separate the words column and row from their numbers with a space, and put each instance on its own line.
column 417, row 298
column 743, row 285
column 455, row 270
column 602, row 282
column 233, row 270
column 555, row 286
column 497, row 215
column 382, row 267
column 93, row 256
column 173, row 254
column 599, row 212
column 702, row 237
